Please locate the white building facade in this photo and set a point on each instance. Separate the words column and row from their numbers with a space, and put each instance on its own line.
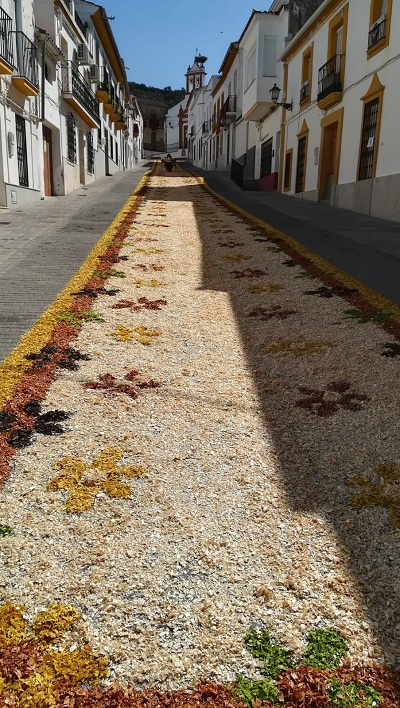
column 20, row 139
column 241, row 122
column 66, row 117
column 86, row 116
column 341, row 142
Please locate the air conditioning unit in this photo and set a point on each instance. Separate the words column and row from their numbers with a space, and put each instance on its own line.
column 94, row 73
column 82, row 54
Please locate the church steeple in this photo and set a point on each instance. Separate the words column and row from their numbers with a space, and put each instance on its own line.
column 195, row 74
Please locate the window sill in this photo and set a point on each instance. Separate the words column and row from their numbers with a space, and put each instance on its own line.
column 376, row 48
column 330, row 100
column 304, row 102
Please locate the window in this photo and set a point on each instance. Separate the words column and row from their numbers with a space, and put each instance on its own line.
column 379, row 26
column 90, row 152
column 368, row 137
column 331, row 74
column 266, row 158
column 288, row 170
column 71, row 137
column 21, row 151
column 306, row 75
column 269, row 58
column 116, row 152
column 251, row 69
column 301, row 164
column 370, row 129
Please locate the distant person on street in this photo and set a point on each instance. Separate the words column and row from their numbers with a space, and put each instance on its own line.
column 169, row 163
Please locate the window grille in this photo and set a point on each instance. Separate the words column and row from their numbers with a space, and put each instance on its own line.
column 301, row 163
column 20, row 131
column 90, row 152
column 71, row 137
column 266, row 158
column 368, row 148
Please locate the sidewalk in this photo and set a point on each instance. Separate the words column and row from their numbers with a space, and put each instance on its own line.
column 363, row 246
column 43, row 245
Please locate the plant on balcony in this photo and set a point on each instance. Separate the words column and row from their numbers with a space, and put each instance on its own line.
column 102, row 92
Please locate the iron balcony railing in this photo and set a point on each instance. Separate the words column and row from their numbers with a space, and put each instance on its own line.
column 377, row 32
column 73, row 83
column 304, row 91
column 80, row 24
column 7, row 38
column 229, row 107
column 329, row 78
column 26, row 59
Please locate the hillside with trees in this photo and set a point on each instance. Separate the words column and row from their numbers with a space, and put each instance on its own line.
column 170, row 96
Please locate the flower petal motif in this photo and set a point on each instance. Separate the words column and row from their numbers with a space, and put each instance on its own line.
column 382, row 489
column 71, row 469
column 107, row 459
column 84, row 482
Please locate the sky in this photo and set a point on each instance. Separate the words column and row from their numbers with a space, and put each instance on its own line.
column 158, row 39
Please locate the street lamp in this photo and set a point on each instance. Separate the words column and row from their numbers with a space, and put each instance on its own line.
column 274, row 92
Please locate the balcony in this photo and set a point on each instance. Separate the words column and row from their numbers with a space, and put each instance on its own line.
column 305, row 92
column 377, row 32
column 330, row 82
column 81, row 25
column 25, row 78
column 228, row 112
column 77, row 92
column 7, row 45
column 102, row 93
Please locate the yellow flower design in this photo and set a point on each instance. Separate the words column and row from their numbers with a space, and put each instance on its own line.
column 85, row 482
column 141, row 334
column 153, row 283
column 382, row 490
column 271, row 288
column 33, row 661
column 299, row 348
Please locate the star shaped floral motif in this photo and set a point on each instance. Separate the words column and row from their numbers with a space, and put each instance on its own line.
column 248, row 273
column 268, row 313
column 230, row 244
column 21, row 434
column 326, row 402
column 65, row 358
column 381, row 489
column 143, row 303
column 110, row 385
column 84, row 482
column 141, row 334
column 392, row 350
column 339, row 290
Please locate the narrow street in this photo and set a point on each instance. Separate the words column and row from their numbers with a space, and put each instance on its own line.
column 198, row 437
